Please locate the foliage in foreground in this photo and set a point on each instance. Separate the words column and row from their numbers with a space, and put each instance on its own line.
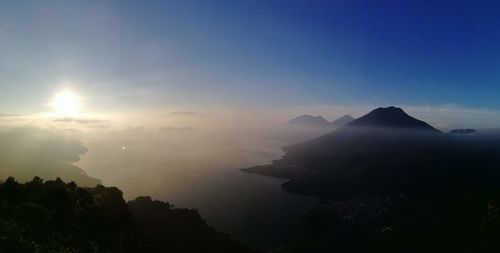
column 55, row 216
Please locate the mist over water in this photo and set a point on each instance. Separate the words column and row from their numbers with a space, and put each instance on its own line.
column 200, row 169
column 190, row 160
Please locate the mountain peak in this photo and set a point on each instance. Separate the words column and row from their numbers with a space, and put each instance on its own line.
column 309, row 120
column 391, row 117
column 390, row 109
column 342, row 121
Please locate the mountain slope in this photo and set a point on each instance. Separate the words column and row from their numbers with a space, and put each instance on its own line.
column 54, row 216
column 342, row 121
column 392, row 183
column 382, row 151
column 308, row 120
column 391, row 117
column 379, row 128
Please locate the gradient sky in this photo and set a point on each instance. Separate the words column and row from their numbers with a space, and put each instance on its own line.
column 123, row 55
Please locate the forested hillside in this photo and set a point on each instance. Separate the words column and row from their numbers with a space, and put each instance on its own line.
column 55, row 216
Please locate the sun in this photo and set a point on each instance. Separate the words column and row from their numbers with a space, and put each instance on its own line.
column 66, row 103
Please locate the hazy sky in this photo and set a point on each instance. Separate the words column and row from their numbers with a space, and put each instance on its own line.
column 177, row 95
column 134, row 55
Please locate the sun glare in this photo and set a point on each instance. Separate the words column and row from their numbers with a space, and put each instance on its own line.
column 66, row 104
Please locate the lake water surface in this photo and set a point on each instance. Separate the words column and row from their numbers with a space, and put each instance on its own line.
column 199, row 170
column 252, row 208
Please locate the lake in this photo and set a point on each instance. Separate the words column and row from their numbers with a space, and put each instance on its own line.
column 201, row 171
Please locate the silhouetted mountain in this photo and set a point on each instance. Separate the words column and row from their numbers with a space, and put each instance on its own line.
column 54, row 216
column 392, row 183
column 463, row 131
column 319, row 121
column 308, row 120
column 391, row 117
column 387, row 145
column 377, row 129
column 342, row 121
column 307, row 127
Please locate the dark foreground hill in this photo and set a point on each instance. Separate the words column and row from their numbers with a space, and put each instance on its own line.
column 54, row 216
column 392, row 183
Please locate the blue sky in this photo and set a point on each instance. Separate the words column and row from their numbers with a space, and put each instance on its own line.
column 150, row 54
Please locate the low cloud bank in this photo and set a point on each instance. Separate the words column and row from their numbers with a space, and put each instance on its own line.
column 176, row 129
column 26, row 152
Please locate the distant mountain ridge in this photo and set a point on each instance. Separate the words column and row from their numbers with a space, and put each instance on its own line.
column 393, row 183
column 386, row 144
column 342, row 121
column 309, row 120
column 319, row 121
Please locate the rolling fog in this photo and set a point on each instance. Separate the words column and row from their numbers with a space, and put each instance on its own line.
column 199, row 169
column 187, row 162
column 188, row 158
